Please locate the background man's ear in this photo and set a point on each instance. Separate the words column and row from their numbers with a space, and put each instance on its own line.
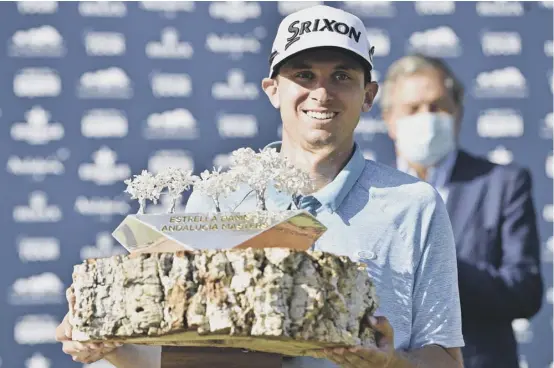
column 270, row 87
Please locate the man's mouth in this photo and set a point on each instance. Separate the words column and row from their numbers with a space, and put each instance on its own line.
column 320, row 115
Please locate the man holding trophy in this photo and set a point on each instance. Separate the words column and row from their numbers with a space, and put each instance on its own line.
column 395, row 224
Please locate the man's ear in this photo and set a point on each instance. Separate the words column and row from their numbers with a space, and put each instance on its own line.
column 371, row 90
column 270, row 87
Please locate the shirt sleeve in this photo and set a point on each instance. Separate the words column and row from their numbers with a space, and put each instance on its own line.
column 436, row 314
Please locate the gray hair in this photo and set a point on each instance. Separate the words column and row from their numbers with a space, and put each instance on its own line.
column 413, row 64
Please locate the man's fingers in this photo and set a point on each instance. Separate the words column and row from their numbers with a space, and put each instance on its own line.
column 381, row 324
column 356, row 360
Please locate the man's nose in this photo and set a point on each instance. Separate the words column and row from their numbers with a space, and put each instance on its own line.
column 322, row 92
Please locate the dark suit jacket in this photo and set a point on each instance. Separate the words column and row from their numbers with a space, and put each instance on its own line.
column 494, row 224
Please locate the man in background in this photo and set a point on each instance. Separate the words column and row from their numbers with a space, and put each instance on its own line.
column 490, row 207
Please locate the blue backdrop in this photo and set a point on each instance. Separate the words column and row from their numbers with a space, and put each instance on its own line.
column 93, row 92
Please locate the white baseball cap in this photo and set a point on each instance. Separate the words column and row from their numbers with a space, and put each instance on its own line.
column 320, row 26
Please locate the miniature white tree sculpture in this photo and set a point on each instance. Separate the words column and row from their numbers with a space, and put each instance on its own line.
column 217, row 184
column 176, row 181
column 291, row 180
column 143, row 187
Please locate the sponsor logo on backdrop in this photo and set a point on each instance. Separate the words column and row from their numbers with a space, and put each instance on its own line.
column 37, row 361
column 548, row 213
column 549, row 166
column 168, row 9
column 104, row 123
column 234, row 44
column 287, row 7
column 37, row 129
column 235, row 11
column 170, row 84
column 548, row 45
column 368, row 127
column 110, row 83
column 500, row 43
column 439, row 42
column 37, row 249
column 37, row 82
column 37, row 167
column 104, row 170
column 522, row 330
column 506, row 82
column 501, row 155
column 435, row 7
column 499, row 8
column 499, row 123
column 101, row 206
column 43, row 41
column 235, row 87
column 547, row 126
column 37, row 210
column 222, row 160
column 547, row 4
column 548, row 250
column 35, row 329
column 380, row 39
column 105, row 247
column 37, row 7
column 169, row 46
column 171, row 124
column 104, row 43
column 44, row 288
column 163, row 159
column 237, row 126
column 108, row 9
column 384, row 9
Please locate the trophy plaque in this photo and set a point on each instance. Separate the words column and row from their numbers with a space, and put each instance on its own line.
column 223, row 288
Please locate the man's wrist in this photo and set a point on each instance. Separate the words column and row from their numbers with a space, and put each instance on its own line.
column 402, row 359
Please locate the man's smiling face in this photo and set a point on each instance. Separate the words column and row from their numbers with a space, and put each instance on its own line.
column 321, row 94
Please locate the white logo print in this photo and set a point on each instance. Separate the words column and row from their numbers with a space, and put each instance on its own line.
column 439, row 42
column 45, row 288
column 235, row 88
column 109, row 9
column 104, row 247
column 380, row 39
column 501, row 43
column 104, row 123
column 104, row 170
column 522, row 330
column 38, row 249
column 101, row 206
column 287, row 7
column 105, row 83
column 549, row 166
column 548, row 48
column 435, row 7
column 169, row 46
column 499, row 8
column 547, row 126
column 37, row 7
column 235, row 11
column 233, row 44
column 383, row 9
column 36, row 130
column 36, row 329
column 37, row 361
column 497, row 123
column 104, row 43
column 172, row 124
column 169, row 9
column 163, row 159
column 222, row 160
column 171, row 85
column 237, row 126
column 368, row 127
column 501, row 156
column 36, row 167
column 37, row 210
column 507, row 82
column 548, row 213
column 44, row 41
column 37, row 82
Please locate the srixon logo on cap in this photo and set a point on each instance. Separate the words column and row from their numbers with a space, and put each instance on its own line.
column 319, row 25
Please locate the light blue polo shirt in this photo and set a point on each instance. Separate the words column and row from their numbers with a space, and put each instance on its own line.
column 399, row 226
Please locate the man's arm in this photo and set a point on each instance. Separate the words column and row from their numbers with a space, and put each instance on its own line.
column 515, row 289
column 431, row 356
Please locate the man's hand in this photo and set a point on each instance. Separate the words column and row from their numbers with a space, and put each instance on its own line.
column 81, row 352
column 380, row 356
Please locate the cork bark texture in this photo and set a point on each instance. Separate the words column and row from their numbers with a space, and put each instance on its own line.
column 267, row 293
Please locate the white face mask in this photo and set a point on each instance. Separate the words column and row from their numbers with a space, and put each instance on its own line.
column 425, row 138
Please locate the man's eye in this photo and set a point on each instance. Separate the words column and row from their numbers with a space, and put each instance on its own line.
column 342, row 76
column 305, row 75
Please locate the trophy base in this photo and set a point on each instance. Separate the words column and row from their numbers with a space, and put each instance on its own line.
column 202, row 357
